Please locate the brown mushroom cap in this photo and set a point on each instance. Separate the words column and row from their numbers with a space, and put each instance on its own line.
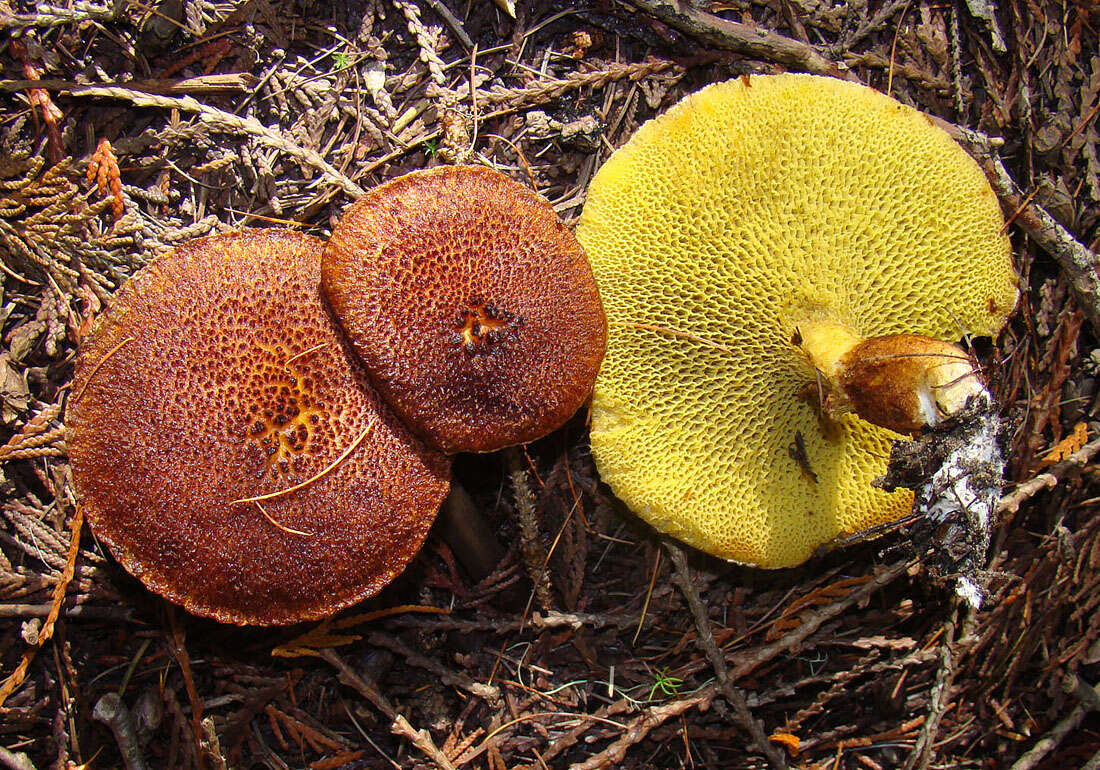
column 218, row 374
column 471, row 304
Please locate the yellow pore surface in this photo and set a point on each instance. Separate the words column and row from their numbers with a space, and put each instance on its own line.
column 749, row 209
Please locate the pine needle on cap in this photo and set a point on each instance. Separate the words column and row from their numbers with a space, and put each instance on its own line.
column 328, row 469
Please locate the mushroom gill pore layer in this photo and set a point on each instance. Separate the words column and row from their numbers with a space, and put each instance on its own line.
column 218, row 374
column 751, row 211
column 470, row 303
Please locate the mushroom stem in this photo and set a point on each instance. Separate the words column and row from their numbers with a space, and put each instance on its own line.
column 923, row 386
column 903, row 382
column 825, row 343
column 470, row 537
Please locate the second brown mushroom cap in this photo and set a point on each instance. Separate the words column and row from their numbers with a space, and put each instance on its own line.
column 471, row 304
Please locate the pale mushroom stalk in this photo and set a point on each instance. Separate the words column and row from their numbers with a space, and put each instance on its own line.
column 903, row 382
column 960, row 499
column 910, row 383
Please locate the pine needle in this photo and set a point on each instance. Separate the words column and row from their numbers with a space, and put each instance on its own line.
column 678, row 333
column 648, row 594
column 283, row 527
column 307, row 482
column 304, row 353
column 100, row 363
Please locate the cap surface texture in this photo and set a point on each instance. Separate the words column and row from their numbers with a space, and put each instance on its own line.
column 219, row 374
column 471, row 304
column 751, row 208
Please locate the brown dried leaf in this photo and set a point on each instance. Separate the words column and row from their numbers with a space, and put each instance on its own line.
column 15, row 396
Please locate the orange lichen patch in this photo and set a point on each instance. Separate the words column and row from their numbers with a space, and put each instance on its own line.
column 471, row 304
column 791, row 742
column 211, row 401
column 1067, row 446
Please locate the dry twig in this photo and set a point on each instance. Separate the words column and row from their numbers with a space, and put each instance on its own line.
column 56, row 15
column 111, row 711
column 1061, row 729
column 400, row 725
column 1011, row 502
column 921, row 755
column 641, row 726
column 682, row 578
column 757, row 42
column 36, row 438
column 12, row 683
column 534, row 555
column 1080, row 265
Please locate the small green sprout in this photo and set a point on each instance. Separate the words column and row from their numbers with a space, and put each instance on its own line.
column 668, row 685
column 431, row 147
column 341, row 59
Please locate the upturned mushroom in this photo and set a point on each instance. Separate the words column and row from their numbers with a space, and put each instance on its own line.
column 779, row 258
column 471, row 305
column 227, row 447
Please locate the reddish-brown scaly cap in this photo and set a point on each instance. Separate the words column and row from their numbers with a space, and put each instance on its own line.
column 218, row 374
column 471, row 304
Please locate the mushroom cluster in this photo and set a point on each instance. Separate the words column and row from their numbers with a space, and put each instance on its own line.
column 227, row 443
column 261, row 423
column 780, row 258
